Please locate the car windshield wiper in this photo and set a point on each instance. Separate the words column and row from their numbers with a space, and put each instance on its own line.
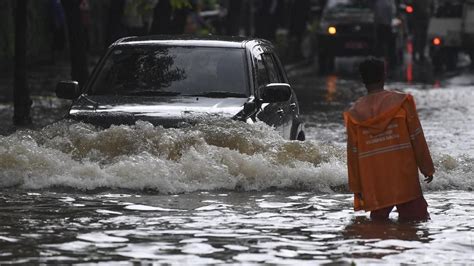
column 152, row 93
column 221, row 94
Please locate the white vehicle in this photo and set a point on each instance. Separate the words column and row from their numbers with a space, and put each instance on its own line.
column 450, row 31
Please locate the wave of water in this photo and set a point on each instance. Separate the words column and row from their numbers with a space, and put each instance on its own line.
column 208, row 156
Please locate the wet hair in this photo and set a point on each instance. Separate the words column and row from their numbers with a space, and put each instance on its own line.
column 372, row 70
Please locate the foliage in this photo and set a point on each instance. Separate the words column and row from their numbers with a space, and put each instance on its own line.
column 180, row 4
column 141, row 7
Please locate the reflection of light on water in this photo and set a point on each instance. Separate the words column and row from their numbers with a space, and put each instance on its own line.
column 331, row 87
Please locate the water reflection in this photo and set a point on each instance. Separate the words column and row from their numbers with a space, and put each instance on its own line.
column 362, row 227
column 272, row 227
column 331, row 87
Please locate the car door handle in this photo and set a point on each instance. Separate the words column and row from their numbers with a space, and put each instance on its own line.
column 293, row 106
column 280, row 112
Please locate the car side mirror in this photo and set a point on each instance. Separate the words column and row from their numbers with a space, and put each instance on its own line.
column 68, row 90
column 276, row 92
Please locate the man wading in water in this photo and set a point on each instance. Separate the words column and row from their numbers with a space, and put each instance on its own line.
column 385, row 148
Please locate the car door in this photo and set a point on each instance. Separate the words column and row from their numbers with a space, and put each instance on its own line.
column 271, row 113
column 285, row 109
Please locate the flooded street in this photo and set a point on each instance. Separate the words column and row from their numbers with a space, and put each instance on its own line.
column 223, row 192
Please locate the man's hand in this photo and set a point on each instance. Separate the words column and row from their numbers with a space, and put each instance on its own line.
column 428, row 178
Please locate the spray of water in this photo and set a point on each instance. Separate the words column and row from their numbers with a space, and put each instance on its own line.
column 212, row 155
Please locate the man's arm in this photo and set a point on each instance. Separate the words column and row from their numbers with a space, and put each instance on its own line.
column 418, row 141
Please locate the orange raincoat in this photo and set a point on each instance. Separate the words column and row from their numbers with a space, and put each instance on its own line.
column 385, row 148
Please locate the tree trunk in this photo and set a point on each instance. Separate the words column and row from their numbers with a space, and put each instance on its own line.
column 233, row 17
column 21, row 94
column 77, row 41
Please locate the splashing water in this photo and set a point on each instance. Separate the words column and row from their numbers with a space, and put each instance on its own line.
column 217, row 155
column 208, row 156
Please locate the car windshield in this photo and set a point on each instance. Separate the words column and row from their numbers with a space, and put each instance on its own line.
column 346, row 5
column 170, row 71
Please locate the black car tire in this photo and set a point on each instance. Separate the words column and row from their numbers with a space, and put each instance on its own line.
column 301, row 136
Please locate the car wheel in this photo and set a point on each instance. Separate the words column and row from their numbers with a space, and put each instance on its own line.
column 301, row 136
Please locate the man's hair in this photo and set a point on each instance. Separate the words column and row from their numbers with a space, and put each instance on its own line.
column 372, row 70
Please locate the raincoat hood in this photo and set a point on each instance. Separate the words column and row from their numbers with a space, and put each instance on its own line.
column 375, row 111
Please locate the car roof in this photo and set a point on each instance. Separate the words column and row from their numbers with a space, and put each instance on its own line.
column 189, row 40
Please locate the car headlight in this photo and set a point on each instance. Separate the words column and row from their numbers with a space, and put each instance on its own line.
column 326, row 28
column 332, row 30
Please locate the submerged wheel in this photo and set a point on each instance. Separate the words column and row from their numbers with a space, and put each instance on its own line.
column 301, row 136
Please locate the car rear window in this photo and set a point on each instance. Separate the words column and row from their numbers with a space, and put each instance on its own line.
column 163, row 70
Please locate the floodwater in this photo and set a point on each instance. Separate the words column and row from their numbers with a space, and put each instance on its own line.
column 223, row 192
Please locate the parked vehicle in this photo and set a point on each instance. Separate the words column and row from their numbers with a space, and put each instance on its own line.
column 445, row 33
column 169, row 81
column 347, row 29
column 450, row 31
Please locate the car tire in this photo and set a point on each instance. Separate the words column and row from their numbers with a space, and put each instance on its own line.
column 301, row 136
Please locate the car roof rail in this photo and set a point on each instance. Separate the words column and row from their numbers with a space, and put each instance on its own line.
column 121, row 40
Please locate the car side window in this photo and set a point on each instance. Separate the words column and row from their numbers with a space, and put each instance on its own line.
column 272, row 69
column 262, row 74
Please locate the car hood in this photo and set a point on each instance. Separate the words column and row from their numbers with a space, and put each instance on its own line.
column 166, row 111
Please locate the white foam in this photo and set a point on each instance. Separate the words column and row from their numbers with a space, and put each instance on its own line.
column 208, row 156
column 8, row 239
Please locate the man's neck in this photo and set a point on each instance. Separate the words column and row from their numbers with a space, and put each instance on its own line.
column 374, row 88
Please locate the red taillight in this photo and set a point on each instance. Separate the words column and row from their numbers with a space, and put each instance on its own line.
column 437, row 41
column 409, row 9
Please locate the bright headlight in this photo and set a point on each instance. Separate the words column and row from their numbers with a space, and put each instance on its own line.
column 332, row 30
